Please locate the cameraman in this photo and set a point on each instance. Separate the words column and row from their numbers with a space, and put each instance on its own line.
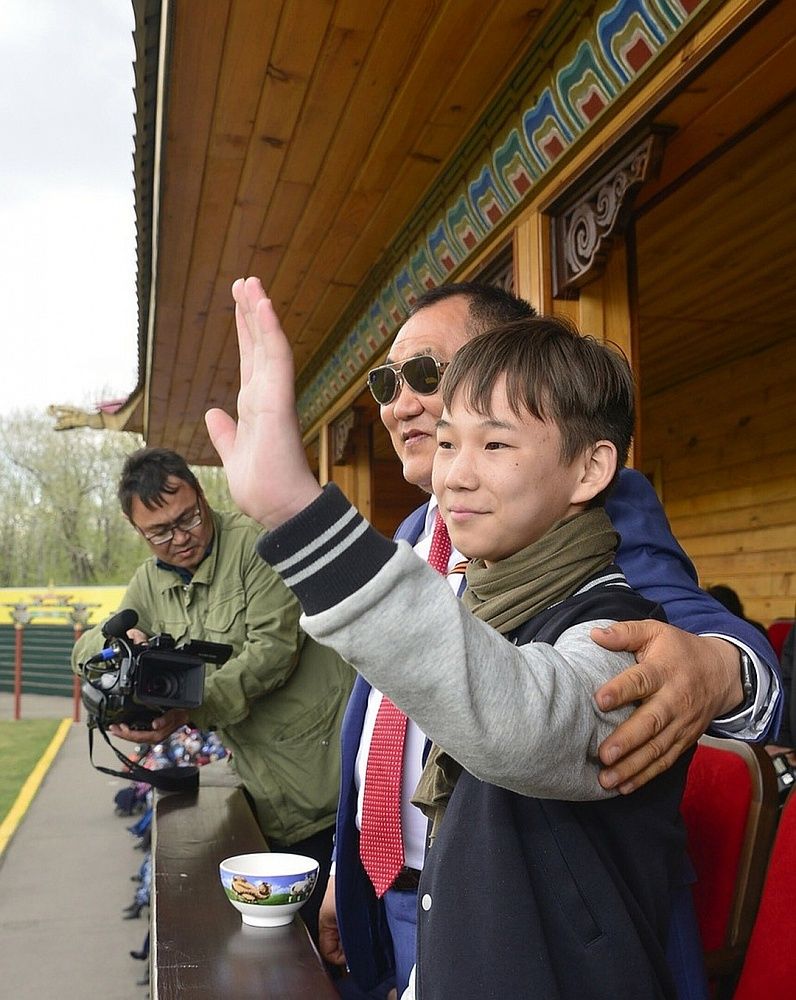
column 279, row 701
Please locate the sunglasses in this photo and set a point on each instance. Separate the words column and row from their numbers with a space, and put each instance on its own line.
column 422, row 374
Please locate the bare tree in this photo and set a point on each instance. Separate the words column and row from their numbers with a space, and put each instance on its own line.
column 60, row 520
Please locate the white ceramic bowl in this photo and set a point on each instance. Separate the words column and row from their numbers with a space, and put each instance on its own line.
column 268, row 888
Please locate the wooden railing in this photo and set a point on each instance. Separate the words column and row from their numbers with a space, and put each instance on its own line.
column 199, row 946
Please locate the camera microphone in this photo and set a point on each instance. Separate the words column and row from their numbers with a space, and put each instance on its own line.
column 117, row 626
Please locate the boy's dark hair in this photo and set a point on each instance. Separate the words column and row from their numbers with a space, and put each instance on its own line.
column 489, row 305
column 145, row 475
column 582, row 386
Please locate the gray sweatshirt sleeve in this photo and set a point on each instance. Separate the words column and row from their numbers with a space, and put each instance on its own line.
column 520, row 717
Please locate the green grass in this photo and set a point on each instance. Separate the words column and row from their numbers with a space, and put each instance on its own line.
column 22, row 742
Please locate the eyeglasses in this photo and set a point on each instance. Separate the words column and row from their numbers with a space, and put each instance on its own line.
column 185, row 524
column 422, row 374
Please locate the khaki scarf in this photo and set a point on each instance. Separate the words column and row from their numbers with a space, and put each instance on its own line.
column 508, row 594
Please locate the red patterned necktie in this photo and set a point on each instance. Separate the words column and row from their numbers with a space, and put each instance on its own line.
column 380, row 842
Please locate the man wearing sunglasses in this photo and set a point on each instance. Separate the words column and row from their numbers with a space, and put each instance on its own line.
column 713, row 671
column 278, row 702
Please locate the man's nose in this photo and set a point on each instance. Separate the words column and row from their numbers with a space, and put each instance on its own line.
column 407, row 403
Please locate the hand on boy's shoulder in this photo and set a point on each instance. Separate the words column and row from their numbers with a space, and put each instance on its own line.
column 682, row 682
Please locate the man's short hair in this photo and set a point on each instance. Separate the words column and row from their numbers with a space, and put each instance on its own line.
column 581, row 385
column 489, row 305
column 146, row 473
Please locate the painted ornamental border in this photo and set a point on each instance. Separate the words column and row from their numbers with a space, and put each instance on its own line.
column 610, row 50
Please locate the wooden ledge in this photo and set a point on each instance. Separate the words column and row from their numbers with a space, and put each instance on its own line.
column 199, row 946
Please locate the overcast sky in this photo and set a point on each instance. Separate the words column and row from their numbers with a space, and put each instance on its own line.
column 68, row 311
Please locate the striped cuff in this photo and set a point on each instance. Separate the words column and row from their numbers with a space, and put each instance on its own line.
column 326, row 552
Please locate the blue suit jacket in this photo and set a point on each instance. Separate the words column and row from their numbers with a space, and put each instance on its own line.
column 654, row 565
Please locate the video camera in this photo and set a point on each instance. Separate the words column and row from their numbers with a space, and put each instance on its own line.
column 133, row 683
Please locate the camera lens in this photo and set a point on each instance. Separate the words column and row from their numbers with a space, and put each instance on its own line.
column 160, row 685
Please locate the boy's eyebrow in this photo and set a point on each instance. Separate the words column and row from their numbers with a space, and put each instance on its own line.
column 498, row 425
column 487, row 422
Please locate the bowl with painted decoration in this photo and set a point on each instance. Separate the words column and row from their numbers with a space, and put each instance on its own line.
column 268, row 888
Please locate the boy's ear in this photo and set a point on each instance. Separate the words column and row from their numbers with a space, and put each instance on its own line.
column 598, row 467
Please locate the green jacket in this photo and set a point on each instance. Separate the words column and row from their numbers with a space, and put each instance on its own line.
column 279, row 701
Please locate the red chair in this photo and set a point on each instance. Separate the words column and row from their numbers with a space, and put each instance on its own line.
column 730, row 810
column 778, row 633
column 769, row 969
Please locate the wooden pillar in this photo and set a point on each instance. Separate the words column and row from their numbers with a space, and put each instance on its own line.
column 324, row 472
column 532, row 268
column 593, row 249
column 605, row 304
column 606, row 310
column 349, row 452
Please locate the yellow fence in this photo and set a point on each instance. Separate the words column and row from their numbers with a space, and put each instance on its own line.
column 55, row 605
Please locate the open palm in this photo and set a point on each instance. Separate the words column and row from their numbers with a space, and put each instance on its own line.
column 263, row 456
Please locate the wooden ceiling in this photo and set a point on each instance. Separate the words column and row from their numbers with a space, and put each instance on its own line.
column 295, row 139
column 299, row 137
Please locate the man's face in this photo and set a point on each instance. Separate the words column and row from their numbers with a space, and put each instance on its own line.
column 186, row 548
column 500, row 480
column 411, row 419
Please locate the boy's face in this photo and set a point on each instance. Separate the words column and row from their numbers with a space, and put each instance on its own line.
column 500, row 480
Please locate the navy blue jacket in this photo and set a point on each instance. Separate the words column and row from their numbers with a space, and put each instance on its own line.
column 526, row 897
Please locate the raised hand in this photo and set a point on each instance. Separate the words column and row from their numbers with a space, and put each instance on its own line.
column 263, row 457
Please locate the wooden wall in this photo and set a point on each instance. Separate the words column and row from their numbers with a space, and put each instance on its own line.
column 368, row 471
column 393, row 498
column 724, row 443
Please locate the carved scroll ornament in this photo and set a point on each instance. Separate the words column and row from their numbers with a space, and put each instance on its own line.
column 340, row 435
column 584, row 231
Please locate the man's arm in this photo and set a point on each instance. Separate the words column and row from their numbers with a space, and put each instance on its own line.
column 329, row 943
column 680, row 679
column 268, row 656
column 658, row 568
column 89, row 643
column 685, row 679
column 262, row 664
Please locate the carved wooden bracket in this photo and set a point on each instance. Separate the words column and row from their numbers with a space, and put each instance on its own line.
column 584, row 229
column 340, row 431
